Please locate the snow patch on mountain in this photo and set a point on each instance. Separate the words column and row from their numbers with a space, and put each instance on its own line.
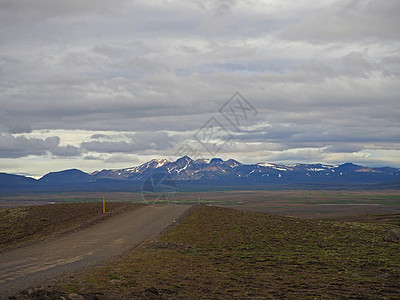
column 315, row 169
column 161, row 162
column 264, row 164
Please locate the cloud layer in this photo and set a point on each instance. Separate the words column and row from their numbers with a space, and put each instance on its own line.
column 140, row 78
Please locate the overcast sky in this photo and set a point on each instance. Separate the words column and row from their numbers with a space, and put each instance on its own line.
column 112, row 84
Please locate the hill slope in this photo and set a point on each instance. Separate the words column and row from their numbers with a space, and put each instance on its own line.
column 66, row 176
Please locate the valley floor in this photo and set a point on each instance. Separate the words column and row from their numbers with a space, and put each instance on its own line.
column 220, row 253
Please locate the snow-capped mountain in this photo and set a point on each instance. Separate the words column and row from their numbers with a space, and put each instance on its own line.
column 182, row 168
column 212, row 173
column 186, row 168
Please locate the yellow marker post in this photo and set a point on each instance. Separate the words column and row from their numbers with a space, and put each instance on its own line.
column 104, row 205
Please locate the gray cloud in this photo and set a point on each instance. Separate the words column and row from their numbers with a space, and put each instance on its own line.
column 349, row 20
column 16, row 128
column 141, row 77
column 67, row 151
column 100, row 136
column 131, row 144
column 356, row 64
column 220, row 7
column 20, row 146
column 344, row 148
column 391, row 64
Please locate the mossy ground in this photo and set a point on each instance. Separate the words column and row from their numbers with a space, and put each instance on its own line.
column 223, row 254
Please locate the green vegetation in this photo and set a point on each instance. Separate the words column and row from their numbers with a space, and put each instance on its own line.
column 224, row 253
column 22, row 225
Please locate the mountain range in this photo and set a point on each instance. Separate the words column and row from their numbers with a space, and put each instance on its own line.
column 189, row 174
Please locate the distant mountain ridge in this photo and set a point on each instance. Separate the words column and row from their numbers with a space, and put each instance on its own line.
column 213, row 173
column 66, row 176
column 186, row 168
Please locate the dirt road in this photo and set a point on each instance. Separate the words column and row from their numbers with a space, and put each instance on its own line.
column 37, row 264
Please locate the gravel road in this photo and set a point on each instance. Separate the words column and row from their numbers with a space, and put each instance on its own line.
column 40, row 263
